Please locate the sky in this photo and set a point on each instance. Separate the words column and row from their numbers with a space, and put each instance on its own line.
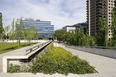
column 59, row 12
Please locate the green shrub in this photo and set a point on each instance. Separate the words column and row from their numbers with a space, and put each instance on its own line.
column 13, row 68
column 58, row 60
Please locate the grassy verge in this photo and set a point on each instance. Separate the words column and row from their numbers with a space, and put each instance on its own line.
column 58, row 60
column 6, row 47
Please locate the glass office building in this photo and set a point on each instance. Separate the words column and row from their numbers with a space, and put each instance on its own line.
column 44, row 28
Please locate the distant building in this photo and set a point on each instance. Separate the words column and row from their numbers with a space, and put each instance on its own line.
column 83, row 25
column 74, row 27
column 44, row 28
column 69, row 28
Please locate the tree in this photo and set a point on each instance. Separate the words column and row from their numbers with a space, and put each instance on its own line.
column 1, row 27
column 1, row 31
column 72, row 39
column 18, row 29
column 102, row 35
column 6, row 29
column 82, row 36
column 60, row 35
column 68, row 37
column 114, row 26
column 76, row 37
column 29, row 33
column 13, row 34
column 36, row 34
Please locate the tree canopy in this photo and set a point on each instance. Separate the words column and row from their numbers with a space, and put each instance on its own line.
column 102, row 35
column 114, row 26
column 75, row 38
column 19, row 31
column 1, row 27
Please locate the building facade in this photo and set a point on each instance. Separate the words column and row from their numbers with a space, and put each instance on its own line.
column 97, row 9
column 74, row 27
column 44, row 28
column 69, row 28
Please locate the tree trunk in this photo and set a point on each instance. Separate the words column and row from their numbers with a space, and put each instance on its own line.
column 19, row 43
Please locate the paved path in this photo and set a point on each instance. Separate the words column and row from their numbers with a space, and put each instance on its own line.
column 105, row 66
column 17, row 52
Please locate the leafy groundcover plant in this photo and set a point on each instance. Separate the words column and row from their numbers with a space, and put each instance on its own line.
column 58, row 60
column 13, row 68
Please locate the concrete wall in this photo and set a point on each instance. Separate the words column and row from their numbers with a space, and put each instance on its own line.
column 102, row 52
column 26, row 64
column 25, row 61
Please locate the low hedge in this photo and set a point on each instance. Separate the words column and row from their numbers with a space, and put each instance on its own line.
column 58, row 60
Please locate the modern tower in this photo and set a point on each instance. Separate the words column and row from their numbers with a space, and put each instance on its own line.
column 97, row 9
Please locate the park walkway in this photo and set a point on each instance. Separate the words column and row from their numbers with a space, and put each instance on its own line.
column 17, row 52
column 105, row 66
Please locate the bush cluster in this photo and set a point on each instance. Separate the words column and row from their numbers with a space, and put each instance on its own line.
column 58, row 60
column 76, row 37
column 13, row 68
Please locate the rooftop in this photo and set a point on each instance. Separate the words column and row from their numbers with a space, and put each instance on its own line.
column 32, row 20
column 69, row 26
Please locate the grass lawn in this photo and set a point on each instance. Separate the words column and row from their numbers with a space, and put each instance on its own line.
column 6, row 47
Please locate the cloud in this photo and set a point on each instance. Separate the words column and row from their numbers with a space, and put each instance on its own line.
column 59, row 12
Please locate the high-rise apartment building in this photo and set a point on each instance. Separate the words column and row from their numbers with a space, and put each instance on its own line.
column 97, row 9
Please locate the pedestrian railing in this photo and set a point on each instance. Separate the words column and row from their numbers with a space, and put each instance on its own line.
column 99, row 50
column 100, row 47
column 27, row 51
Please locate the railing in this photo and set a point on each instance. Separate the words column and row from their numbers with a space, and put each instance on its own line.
column 99, row 50
column 100, row 47
column 27, row 51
